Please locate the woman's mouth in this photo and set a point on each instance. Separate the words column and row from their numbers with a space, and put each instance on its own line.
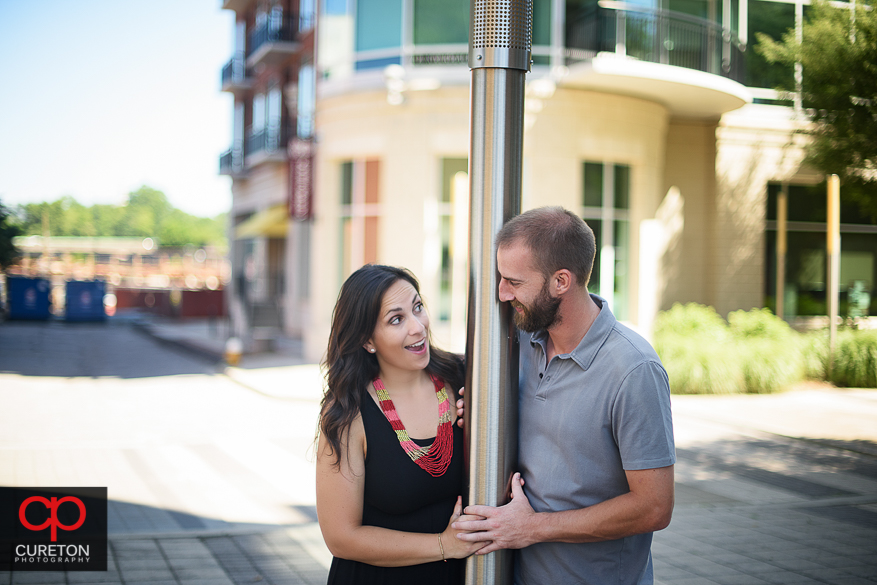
column 418, row 347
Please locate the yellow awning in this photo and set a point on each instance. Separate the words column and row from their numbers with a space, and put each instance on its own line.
column 271, row 223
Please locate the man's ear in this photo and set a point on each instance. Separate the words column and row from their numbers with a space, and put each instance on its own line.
column 562, row 281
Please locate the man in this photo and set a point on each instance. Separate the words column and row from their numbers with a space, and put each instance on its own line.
column 596, row 448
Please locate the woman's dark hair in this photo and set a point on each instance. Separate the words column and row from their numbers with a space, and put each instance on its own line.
column 349, row 367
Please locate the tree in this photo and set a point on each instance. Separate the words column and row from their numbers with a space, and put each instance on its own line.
column 838, row 55
column 146, row 214
column 9, row 254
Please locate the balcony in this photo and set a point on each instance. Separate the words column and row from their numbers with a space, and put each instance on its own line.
column 266, row 145
column 236, row 77
column 231, row 164
column 690, row 64
column 273, row 41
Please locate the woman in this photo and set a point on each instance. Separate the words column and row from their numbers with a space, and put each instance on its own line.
column 389, row 457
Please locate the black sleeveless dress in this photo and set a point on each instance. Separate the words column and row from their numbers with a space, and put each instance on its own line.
column 399, row 495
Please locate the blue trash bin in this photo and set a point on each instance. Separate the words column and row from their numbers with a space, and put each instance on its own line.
column 28, row 298
column 84, row 300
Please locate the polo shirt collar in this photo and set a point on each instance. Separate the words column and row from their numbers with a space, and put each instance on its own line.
column 587, row 349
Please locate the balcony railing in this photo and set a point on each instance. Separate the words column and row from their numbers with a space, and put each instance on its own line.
column 276, row 29
column 270, row 140
column 656, row 36
column 235, row 73
column 232, row 163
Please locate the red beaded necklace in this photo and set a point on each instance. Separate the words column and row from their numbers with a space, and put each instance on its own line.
column 435, row 458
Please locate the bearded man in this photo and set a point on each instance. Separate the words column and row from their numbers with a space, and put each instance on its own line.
column 596, row 449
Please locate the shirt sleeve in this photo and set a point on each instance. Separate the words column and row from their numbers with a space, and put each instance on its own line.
column 642, row 419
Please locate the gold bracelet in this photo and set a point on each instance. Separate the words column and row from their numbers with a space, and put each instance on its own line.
column 442, row 547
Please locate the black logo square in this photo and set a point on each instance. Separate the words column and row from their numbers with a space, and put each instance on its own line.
column 53, row 529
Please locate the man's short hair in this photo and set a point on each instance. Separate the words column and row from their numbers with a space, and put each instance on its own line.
column 556, row 237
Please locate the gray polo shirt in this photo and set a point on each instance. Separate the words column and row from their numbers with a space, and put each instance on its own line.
column 585, row 418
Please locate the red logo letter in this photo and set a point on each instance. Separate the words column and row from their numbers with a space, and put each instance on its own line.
column 52, row 506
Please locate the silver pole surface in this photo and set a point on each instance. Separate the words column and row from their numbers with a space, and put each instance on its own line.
column 499, row 55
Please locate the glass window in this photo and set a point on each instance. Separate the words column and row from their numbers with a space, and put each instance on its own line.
column 275, row 107
column 541, row 22
column 359, row 214
column 305, row 102
column 622, row 186
column 441, row 22
column 606, row 199
column 335, row 7
column 593, row 184
column 805, row 263
column 346, row 183
column 698, row 8
column 450, row 169
column 258, row 112
column 773, row 19
column 378, row 24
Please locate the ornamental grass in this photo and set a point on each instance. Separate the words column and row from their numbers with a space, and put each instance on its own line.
column 754, row 352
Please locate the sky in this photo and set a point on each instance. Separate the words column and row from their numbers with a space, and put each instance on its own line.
column 100, row 97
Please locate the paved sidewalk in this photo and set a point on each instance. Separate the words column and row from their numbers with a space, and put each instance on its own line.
column 770, row 489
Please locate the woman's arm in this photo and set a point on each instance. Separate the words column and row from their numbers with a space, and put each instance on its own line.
column 340, row 493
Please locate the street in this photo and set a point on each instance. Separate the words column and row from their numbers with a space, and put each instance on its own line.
column 211, row 480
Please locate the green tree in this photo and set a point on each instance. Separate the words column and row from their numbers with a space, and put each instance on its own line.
column 146, row 210
column 146, row 214
column 9, row 254
column 838, row 55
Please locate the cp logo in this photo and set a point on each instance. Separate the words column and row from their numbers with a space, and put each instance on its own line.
column 53, row 521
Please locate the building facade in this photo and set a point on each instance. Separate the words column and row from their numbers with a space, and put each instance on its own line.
column 271, row 75
column 654, row 120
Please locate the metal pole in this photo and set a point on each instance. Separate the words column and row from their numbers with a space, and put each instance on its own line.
column 833, row 248
column 499, row 56
column 782, row 216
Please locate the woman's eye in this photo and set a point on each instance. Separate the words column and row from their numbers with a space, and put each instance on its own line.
column 395, row 320
column 418, row 307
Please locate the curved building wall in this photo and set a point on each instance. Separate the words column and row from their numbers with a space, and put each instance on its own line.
column 379, row 177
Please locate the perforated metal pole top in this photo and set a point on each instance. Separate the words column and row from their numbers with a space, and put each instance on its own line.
column 500, row 33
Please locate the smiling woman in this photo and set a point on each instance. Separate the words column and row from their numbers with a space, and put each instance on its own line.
column 389, row 460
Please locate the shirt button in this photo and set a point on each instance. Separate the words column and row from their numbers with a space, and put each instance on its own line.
column 540, row 376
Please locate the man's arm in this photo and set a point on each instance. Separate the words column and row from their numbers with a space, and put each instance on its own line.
column 647, row 507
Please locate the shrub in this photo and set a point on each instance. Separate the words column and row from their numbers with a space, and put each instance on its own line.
column 693, row 342
column 814, row 354
column 769, row 350
column 691, row 320
column 855, row 359
column 759, row 323
column 754, row 353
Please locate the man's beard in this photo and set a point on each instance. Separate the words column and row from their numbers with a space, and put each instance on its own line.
column 541, row 315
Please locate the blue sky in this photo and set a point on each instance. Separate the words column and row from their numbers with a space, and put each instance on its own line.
column 99, row 97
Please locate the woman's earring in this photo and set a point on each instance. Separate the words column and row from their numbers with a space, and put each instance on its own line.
column 371, row 350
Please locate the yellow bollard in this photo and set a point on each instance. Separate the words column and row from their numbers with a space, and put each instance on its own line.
column 233, row 350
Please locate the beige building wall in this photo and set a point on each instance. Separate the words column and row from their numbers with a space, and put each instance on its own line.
column 410, row 140
column 717, row 173
column 264, row 187
column 754, row 145
column 574, row 126
column 690, row 168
